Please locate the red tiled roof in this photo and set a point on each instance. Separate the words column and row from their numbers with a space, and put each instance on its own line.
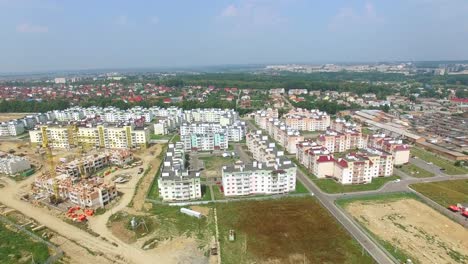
column 325, row 158
column 459, row 100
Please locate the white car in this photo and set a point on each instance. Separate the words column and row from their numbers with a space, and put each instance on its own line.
column 397, row 180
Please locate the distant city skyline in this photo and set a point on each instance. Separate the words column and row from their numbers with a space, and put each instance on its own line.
column 52, row 35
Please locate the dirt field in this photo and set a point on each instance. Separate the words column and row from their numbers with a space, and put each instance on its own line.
column 416, row 230
column 152, row 158
column 10, row 116
column 293, row 230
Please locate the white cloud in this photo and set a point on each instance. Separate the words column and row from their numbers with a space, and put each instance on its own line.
column 230, row 11
column 29, row 28
column 122, row 20
column 154, row 20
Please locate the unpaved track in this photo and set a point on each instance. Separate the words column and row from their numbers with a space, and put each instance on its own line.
column 122, row 253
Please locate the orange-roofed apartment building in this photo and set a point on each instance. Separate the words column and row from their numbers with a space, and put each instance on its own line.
column 400, row 151
column 354, row 168
column 336, row 141
column 307, row 120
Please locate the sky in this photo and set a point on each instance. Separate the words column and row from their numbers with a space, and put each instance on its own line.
column 46, row 35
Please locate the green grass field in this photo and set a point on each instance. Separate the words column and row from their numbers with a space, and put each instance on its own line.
column 16, row 247
column 440, row 162
column 416, row 171
column 331, row 186
column 289, row 230
column 160, row 137
column 444, row 193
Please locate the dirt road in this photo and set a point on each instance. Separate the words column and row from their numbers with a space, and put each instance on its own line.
column 118, row 253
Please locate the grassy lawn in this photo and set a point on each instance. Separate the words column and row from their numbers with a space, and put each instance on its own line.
column 176, row 138
column 331, row 186
column 16, row 247
column 174, row 223
column 440, row 162
column 154, row 190
column 206, row 193
column 160, row 137
column 289, row 230
column 303, row 169
column 444, row 193
column 415, row 171
column 300, row 188
column 218, row 195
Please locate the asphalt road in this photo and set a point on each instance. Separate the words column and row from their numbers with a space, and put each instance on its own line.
column 329, row 203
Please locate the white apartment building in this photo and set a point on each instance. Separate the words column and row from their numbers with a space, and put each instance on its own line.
column 258, row 178
column 234, row 132
column 11, row 164
column 283, row 134
column 205, row 142
column 176, row 183
column 400, row 151
column 11, row 128
column 223, row 117
column 270, row 173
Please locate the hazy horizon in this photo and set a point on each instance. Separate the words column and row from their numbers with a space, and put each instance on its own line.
column 44, row 36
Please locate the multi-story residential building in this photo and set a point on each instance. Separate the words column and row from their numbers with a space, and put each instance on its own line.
column 354, row 168
column 11, row 164
column 11, row 128
column 284, row 135
column 176, row 183
column 400, row 151
column 87, row 166
column 223, row 117
column 341, row 125
column 92, row 192
column 316, row 158
column 336, row 141
column 270, row 173
column 234, row 132
column 104, row 136
column 259, row 178
column 262, row 116
column 205, row 142
column 308, row 120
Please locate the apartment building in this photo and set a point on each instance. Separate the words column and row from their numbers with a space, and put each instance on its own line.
column 336, row 141
column 205, row 141
column 354, row 168
column 105, row 136
column 176, row 183
column 87, row 166
column 262, row 116
column 92, row 192
column 234, row 132
column 400, row 151
column 11, row 164
column 284, row 135
column 307, row 120
column 11, row 128
column 223, row 117
column 270, row 173
column 341, row 125
column 316, row 158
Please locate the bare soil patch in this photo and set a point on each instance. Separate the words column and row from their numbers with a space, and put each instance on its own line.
column 419, row 231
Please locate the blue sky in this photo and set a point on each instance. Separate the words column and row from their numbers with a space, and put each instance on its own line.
column 41, row 35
